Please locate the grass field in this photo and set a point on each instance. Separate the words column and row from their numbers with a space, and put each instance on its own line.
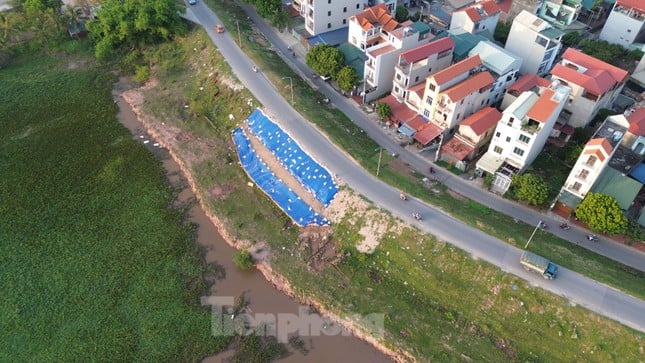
column 344, row 133
column 439, row 304
column 97, row 264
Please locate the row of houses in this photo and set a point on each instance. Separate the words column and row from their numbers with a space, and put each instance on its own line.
column 489, row 108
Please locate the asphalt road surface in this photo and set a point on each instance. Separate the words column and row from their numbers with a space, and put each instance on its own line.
column 577, row 288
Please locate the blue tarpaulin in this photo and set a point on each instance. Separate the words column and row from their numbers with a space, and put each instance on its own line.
column 282, row 195
column 316, row 179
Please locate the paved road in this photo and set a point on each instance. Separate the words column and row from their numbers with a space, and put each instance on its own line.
column 577, row 288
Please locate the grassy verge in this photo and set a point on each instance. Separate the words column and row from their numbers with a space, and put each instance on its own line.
column 344, row 133
column 97, row 264
column 438, row 303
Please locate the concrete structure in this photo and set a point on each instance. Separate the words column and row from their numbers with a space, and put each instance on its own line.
column 370, row 27
column 522, row 133
column 327, row 15
column 471, row 138
column 626, row 23
column 415, row 65
column 382, row 57
column 594, row 85
column 478, row 18
column 536, row 41
column 503, row 65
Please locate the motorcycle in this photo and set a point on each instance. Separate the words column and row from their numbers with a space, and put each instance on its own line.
column 565, row 226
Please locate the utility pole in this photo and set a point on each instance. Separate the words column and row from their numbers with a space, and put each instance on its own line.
column 291, row 82
column 532, row 234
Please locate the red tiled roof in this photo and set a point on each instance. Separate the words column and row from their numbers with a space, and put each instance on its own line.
column 376, row 15
column 590, row 62
column 416, row 123
column 634, row 4
column 528, row 81
column 595, row 81
column 489, row 8
column 456, row 69
column 603, row 143
column 482, row 120
column 543, row 108
column 637, row 122
column 428, row 133
column 457, row 148
column 468, row 86
column 400, row 112
column 423, row 51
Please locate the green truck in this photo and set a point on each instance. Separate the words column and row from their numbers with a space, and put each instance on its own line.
column 532, row 262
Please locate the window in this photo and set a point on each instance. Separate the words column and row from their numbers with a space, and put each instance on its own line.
column 518, row 151
column 329, row 13
column 429, row 100
column 591, row 161
column 497, row 134
column 344, row 21
column 345, row 9
column 584, row 173
column 576, row 186
column 328, row 25
column 508, row 139
column 541, row 41
column 498, row 149
column 525, row 139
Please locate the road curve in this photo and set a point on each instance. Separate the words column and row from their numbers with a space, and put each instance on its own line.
column 577, row 288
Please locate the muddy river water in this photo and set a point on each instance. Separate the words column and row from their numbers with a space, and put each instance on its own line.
column 262, row 296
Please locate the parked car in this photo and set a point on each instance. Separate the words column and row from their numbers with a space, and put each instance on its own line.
column 219, row 28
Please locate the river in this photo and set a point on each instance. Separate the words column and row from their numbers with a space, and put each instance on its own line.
column 262, row 296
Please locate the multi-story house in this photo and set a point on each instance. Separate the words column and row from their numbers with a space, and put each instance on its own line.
column 594, row 85
column 536, row 41
column 472, row 137
column 521, row 133
column 446, row 78
column 606, row 163
column 326, row 15
column 370, row 27
column 626, row 23
column 381, row 58
column 477, row 18
column 415, row 65
column 503, row 65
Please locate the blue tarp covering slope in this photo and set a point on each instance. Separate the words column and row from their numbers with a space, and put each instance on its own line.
column 303, row 167
column 284, row 197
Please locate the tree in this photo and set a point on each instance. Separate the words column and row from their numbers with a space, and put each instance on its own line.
column 325, row 60
column 401, row 14
column 531, row 188
column 243, row 260
column 347, row 78
column 571, row 39
column 126, row 25
column 501, row 31
column 383, row 110
column 602, row 213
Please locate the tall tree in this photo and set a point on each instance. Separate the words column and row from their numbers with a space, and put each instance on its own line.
column 325, row 60
column 602, row 213
column 531, row 188
column 125, row 25
column 347, row 78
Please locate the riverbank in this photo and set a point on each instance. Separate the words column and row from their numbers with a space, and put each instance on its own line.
column 167, row 137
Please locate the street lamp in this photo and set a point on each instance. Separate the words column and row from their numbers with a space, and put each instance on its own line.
column 532, row 234
column 291, row 82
